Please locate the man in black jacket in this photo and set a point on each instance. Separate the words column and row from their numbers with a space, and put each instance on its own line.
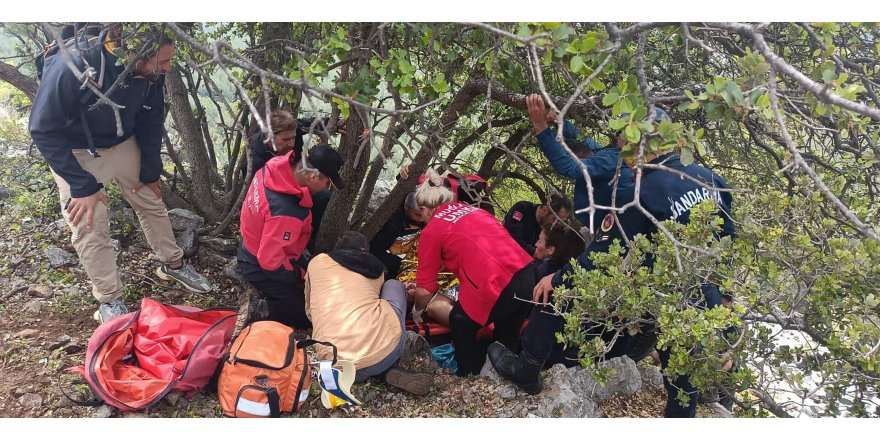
column 668, row 196
column 86, row 149
column 525, row 220
column 405, row 221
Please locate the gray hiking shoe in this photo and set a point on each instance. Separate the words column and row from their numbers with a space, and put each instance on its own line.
column 110, row 310
column 186, row 275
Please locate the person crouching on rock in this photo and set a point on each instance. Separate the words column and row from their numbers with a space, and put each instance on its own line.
column 494, row 271
column 352, row 306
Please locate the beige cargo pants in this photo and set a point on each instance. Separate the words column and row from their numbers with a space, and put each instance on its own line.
column 121, row 163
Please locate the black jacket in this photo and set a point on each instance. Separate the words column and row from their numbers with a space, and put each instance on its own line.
column 667, row 196
column 260, row 152
column 398, row 225
column 520, row 221
column 56, row 126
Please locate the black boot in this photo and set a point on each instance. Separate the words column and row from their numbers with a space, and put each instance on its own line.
column 522, row 371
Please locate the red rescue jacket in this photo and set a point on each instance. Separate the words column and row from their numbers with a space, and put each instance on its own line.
column 276, row 223
column 474, row 246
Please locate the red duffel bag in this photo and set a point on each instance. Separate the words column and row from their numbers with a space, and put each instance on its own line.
column 134, row 360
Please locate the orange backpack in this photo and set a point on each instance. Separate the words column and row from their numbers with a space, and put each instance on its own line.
column 266, row 372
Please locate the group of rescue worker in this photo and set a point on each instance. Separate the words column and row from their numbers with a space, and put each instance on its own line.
column 507, row 272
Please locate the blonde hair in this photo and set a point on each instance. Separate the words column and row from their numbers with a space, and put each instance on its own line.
column 432, row 193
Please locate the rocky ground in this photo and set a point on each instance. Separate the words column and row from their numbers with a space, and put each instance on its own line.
column 46, row 319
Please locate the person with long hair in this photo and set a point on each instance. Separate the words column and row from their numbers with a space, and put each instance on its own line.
column 495, row 272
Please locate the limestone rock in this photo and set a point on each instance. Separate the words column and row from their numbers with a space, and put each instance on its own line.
column 60, row 342
column 34, row 307
column 27, row 333
column 507, row 392
column 625, row 380
column 73, row 348
column 59, row 257
column 103, row 412
column 31, row 400
column 135, row 415
column 44, row 292
column 181, row 220
column 562, row 397
column 651, row 377
column 210, row 258
column 713, row 410
column 6, row 193
column 188, row 241
column 221, row 245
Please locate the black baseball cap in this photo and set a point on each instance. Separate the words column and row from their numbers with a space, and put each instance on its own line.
column 328, row 162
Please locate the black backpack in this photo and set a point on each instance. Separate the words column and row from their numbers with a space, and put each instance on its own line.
column 85, row 41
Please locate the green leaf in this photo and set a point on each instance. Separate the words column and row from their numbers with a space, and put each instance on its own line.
column 343, row 106
column 610, row 98
column 828, row 72
column 617, row 123
column 626, row 106
column 633, row 135
column 687, row 156
column 576, row 63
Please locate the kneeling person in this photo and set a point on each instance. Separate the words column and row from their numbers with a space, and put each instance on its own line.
column 276, row 223
column 352, row 306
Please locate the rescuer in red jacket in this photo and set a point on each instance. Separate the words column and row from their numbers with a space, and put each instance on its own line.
column 493, row 270
column 276, row 223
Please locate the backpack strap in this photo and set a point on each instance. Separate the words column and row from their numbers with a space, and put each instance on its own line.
column 86, row 55
column 81, row 402
column 301, row 345
column 309, row 342
column 275, row 403
column 88, row 132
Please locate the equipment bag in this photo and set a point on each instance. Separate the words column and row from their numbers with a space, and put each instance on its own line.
column 266, row 372
column 134, row 360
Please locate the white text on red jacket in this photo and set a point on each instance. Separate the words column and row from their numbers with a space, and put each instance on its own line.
column 454, row 212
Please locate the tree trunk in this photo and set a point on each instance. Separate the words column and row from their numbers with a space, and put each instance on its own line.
column 453, row 111
column 20, row 81
column 356, row 156
column 191, row 139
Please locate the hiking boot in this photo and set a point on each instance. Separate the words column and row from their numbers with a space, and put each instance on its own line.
column 186, row 275
column 110, row 310
column 522, row 371
column 416, row 383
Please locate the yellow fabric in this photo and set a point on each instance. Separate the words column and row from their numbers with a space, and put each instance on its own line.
column 345, row 310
